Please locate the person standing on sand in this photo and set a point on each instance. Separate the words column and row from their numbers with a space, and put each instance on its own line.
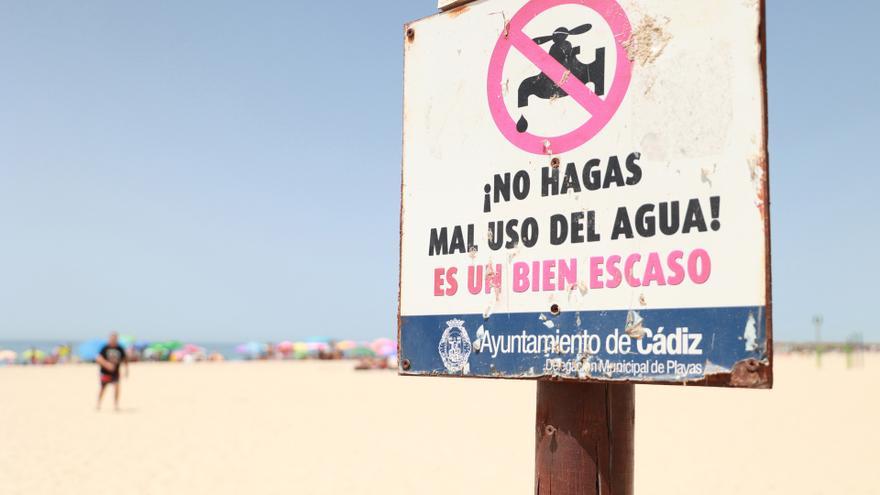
column 110, row 359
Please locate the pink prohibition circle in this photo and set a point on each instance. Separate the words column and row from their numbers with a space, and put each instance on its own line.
column 616, row 18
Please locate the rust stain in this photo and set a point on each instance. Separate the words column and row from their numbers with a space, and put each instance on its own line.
column 750, row 373
column 453, row 13
column 647, row 42
column 758, row 173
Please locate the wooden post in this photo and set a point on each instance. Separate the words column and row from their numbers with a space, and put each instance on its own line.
column 584, row 438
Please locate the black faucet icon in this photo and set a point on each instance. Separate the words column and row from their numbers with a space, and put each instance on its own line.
column 543, row 87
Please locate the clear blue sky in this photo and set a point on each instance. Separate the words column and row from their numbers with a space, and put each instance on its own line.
column 225, row 171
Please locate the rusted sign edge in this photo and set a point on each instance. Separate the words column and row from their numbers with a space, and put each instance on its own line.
column 445, row 5
column 408, row 36
column 768, row 274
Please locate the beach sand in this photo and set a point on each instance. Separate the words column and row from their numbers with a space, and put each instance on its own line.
column 317, row 427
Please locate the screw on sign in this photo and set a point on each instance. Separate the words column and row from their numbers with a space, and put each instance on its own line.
column 561, row 74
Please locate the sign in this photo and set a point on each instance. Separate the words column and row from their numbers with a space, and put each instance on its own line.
column 584, row 193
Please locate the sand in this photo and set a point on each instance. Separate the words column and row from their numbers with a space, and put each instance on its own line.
column 323, row 428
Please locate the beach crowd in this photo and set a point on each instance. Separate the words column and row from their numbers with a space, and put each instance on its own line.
column 376, row 354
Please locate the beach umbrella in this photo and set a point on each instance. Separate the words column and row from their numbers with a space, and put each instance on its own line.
column 250, row 349
column 33, row 354
column 88, row 350
column 189, row 353
column 285, row 347
column 384, row 347
column 141, row 345
column 382, row 343
column 166, row 347
column 7, row 356
column 300, row 350
column 360, row 352
column 172, row 345
column 346, row 345
column 317, row 347
column 161, row 350
column 192, row 349
column 156, row 347
column 387, row 351
column 156, row 351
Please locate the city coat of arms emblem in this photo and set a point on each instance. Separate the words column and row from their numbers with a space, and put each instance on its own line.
column 455, row 346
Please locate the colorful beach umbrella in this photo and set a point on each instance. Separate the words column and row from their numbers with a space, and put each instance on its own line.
column 189, row 353
column 317, row 346
column 346, row 345
column 156, row 351
column 172, row 345
column 88, row 350
column 162, row 350
column 33, row 354
column 250, row 349
column 384, row 347
column 360, row 352
column 7, row 356
column 192, row 349
column 141, row 345
column 382, row 342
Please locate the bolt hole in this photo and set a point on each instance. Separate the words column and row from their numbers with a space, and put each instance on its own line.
column 554, row 309
column 410, row 34
column 554, row 162
column 406, row 364
column 549, row 429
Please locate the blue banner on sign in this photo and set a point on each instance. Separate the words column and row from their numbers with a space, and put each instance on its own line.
column 663, row 345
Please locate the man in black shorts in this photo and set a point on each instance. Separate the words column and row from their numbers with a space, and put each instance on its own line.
column 110, row 359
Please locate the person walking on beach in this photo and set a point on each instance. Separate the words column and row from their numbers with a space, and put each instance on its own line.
column 110, row 359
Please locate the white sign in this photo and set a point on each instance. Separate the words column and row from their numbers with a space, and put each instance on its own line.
column 588, row 166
